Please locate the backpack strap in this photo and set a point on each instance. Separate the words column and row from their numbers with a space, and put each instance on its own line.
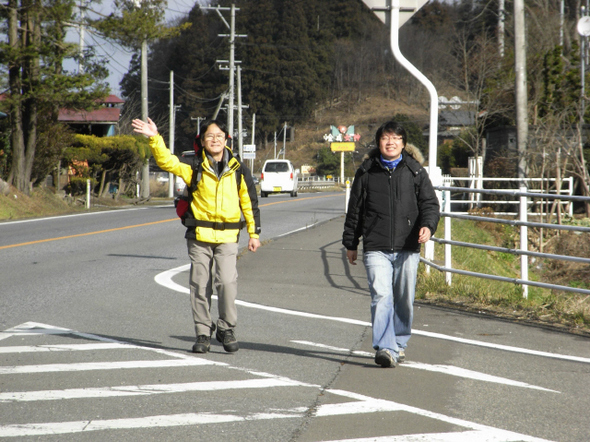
column 188, row 219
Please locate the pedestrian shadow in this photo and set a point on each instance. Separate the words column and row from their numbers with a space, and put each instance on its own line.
column 327, row 355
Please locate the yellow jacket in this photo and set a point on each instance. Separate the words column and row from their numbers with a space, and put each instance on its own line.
column 215, row 199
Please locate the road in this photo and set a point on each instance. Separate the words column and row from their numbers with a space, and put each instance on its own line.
column 96, row 332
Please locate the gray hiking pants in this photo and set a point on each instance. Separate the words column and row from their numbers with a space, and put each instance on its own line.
column 213, row 265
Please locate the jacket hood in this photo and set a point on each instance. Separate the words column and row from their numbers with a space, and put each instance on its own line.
column 410, row 150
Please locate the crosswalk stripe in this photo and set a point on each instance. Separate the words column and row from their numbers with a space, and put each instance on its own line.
column 466, row 436
column 481, row 432
column 437, row 368
column 142, row 390
column 62, row 347
column 87, row 366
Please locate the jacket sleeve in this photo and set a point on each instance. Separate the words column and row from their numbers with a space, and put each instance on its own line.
column 249, row 202
column 428, row 203
column 168, row 162
column 353, row 224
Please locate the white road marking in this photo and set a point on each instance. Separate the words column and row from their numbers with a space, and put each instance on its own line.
column 359, row 403
column 106, row 212
column 445, row 369
column 165, row 279
column 364, row 405
column 368, row 403
column 36, row 328
column 61, row 347
column 143, row 390
column 466, row 436
column 88, row 366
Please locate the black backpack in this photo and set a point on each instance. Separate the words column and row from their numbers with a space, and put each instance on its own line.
column 183, row 207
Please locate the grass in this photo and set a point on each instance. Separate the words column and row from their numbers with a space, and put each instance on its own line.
column 565, row 310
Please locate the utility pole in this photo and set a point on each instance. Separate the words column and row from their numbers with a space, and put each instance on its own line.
column 218, row 108
column 82, row 37
column 284, row 139
column 501, row 20
column 253, row 139
column 199, row 119
column 232, row 53
column 171, row 121
column 522, row 125
column 232, row 62
column 145, row 176
column 240, row 139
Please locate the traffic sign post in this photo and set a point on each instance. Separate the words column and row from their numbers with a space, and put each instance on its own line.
column 249, row 152
column 395, row 13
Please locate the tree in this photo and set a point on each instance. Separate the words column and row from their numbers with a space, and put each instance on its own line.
column 328, row 162
column 133, row 25
column 38, row 86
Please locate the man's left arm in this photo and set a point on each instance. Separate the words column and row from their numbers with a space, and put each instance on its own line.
column 249, row 207
column 429, row 208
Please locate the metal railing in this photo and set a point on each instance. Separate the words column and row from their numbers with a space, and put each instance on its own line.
column 522, row 223
column 316, row 182
column 478, row 183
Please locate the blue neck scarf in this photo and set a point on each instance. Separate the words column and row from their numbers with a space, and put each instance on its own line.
column 390, row 164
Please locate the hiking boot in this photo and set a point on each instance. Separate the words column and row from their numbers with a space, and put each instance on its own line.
column 401, row 355
column 228, row 339
column 384, row 359
column 202, row 345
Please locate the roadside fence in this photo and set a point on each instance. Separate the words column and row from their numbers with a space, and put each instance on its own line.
column 524, row 198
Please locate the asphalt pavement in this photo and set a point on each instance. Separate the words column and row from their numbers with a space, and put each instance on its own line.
column 461, row 368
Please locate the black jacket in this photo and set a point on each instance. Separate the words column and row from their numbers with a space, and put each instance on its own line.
column 388, row 208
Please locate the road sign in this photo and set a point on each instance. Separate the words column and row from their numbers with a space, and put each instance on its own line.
column 407, row 8
column 249, row 147
column 342, row 146
column 249, row 155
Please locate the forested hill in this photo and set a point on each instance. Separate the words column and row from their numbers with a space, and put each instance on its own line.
column 301, row 57
column 289, row 60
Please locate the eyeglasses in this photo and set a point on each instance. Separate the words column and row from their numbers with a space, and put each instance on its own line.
column 392, row 138
column 215, row 137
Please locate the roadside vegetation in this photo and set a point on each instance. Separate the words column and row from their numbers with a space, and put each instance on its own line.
column 564, row 310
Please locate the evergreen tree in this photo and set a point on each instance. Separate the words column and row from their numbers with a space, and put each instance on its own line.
column 38, row 85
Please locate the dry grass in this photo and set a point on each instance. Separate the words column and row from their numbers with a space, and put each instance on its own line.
column 366, row 116
column 560, row 309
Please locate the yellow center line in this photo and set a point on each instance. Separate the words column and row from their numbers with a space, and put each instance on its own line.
column 298, row 199
column 139, row 225
column 86, row 234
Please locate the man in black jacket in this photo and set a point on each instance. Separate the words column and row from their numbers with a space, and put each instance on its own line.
column 394, row 208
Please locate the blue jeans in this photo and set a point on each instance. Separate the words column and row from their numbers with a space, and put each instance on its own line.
column 392, row 283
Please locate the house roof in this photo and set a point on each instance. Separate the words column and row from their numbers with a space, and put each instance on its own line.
column 102, row 115
column 113, row 99
column 456, row 118
column 109, row 114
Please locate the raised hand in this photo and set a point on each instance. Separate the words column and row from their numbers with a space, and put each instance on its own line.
column 148, row 129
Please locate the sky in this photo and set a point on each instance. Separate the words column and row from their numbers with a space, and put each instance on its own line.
column 117, row 57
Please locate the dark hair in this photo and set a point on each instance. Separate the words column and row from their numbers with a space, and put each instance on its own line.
column 391, row 126
column 198, row 143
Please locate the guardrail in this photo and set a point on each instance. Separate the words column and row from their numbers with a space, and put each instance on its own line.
column 522, row 223
column 315, row 182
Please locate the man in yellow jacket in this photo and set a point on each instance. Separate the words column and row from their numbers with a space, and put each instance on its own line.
column 218, row 203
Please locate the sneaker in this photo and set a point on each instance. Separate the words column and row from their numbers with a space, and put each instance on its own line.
column 202, row 345
column 401, row 355
column 384, row 359
column 228, row 339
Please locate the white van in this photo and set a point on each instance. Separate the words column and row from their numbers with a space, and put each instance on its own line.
column 278, row 176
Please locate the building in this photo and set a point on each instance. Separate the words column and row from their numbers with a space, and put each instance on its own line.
column 102, row 122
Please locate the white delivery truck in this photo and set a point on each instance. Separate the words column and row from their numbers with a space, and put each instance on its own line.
column 278, row 176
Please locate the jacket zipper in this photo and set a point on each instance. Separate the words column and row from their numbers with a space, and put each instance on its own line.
column 391, row 208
